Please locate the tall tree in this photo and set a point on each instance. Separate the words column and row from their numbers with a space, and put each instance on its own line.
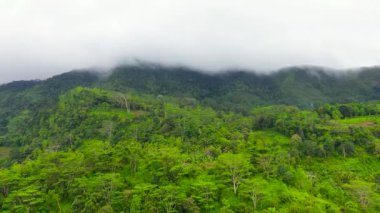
column 234, row 166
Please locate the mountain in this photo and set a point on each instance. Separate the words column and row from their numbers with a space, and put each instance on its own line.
column 149, row 138
column 238, row 91
column 20, row 95
column 301, row 86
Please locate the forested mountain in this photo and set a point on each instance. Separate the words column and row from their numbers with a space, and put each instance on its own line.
column 150, row 138
column 306, row 87
column 301, row 86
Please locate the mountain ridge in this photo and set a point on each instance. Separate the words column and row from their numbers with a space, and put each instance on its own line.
column 304, row 86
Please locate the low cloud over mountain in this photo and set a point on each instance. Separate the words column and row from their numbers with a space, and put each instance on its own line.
column 45, row 37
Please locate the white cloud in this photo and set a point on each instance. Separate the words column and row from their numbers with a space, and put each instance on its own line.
column 39, row 38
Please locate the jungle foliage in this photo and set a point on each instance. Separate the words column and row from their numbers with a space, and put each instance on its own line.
column 86, row 144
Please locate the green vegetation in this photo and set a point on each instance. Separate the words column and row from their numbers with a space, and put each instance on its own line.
column 363, row 120
column 103, row 146
column 4, row 152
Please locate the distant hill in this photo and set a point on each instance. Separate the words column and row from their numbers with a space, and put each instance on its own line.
column 301, row 86
column 306, row 87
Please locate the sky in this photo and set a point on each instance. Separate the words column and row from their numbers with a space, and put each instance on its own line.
column 40, row 38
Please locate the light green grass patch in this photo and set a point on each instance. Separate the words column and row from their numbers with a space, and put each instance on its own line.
column 269, row 139
column 122, row 115
column 362, row 120
column 5, row 152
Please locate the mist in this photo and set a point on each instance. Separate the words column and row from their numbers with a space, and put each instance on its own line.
column 41, row 38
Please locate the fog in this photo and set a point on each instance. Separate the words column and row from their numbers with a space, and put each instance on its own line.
column 40, row 38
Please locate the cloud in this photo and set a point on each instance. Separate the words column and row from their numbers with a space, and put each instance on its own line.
column 43, row 37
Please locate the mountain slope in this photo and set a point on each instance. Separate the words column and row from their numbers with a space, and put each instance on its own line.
column 302, row 86
column 167, row 139
column 90, row 152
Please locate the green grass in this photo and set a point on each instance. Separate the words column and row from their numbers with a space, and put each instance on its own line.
column 5, row 152
column 269, row 139
column 362, row 167
column 361, row 120
column 109, row 113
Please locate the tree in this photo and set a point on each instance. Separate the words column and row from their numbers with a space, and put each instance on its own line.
column 346, row 147
column 376, row 150
column 122, row 99
column 53, row 201
column 253, row 189
column 204, row 191
column 361, row 191
column 234, row 166
column 26, row 199
column 265, row 164
column 170, row 197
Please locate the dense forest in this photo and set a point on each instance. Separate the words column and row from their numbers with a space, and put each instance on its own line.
column 149, row 138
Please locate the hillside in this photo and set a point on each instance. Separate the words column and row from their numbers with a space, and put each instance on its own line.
column 167, row 139
column 306, row 87
column 301, row 86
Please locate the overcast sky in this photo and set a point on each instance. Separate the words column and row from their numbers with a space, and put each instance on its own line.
column 39, row 38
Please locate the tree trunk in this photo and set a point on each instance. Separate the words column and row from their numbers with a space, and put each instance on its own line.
column 235, row 184
column 344, row 151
